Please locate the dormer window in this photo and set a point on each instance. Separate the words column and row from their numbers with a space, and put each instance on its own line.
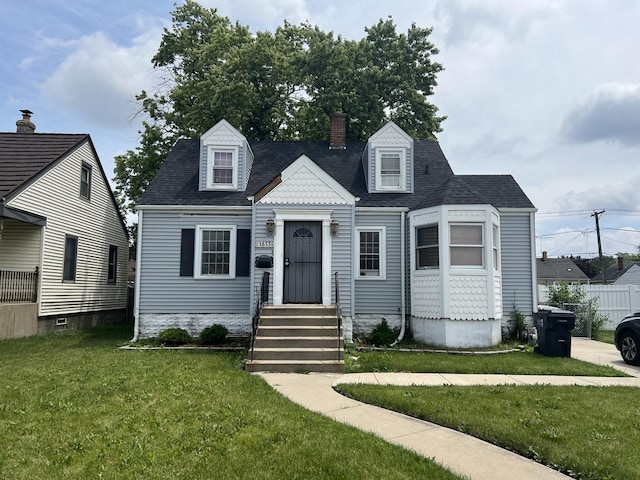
column 390, row 169
column 222, row 168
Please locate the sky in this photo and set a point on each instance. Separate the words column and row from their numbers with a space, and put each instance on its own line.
column 545, row 90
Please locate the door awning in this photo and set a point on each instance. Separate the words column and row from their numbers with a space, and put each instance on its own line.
column 22, row 216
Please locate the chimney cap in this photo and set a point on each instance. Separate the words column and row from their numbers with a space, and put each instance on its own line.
column 26, row 112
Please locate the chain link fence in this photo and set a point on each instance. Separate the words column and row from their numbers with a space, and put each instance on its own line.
column 584, row 318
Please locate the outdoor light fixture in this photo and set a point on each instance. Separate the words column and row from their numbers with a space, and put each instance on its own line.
column 271, row 226
column 334, row 226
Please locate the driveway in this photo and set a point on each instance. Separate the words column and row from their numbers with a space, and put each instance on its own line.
column 601, row 354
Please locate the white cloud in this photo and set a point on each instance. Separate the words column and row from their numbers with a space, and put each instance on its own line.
column 99, row 79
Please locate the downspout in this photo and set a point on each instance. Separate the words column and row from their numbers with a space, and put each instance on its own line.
column 403, row 277
column 136, row 300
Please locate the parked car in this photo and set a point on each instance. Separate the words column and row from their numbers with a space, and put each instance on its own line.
column 626, row 338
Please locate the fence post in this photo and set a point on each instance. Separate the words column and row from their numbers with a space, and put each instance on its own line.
column 34, row 297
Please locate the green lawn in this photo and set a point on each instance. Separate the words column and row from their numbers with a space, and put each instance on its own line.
column 72, row 406
column 605, row 336
column 516, row 363
column 590, row 432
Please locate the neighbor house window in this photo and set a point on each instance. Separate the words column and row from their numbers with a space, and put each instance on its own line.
column 215, row 256
column 390, row 169
column 371, row 253
column 496, row 241
column 113, row 264
column 70, row 258
column 427, row 248
column 466, row 245
column 85, row 180
column 222, row 168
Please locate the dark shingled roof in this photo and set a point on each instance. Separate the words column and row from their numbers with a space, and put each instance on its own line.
column 25, row 156
column 556, row 269
column 434, row 182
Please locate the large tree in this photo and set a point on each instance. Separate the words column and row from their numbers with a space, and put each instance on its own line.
column 280, row 85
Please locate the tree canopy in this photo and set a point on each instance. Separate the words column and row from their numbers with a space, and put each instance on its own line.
column 280, row 85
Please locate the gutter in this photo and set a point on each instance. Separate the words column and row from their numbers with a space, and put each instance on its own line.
column 136, row 301
column 403, row 278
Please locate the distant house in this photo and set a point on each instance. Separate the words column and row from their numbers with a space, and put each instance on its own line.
column 623, row 272
column 407, row 239
column 552, row 270
column 63, row 244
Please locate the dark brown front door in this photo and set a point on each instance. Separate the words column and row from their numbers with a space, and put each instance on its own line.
column 303, row 262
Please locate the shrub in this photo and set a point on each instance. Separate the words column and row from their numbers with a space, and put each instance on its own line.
column 383, row 334
column 213, row 335
column 519, row 324
column 174, row 337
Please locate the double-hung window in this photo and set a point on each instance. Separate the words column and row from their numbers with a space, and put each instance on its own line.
column 427, row 247
column 466, row 245
column 85, row 180
column 222, row 168
column 215, row 251
column 390, row 169
column 112, row 269
column 371, row 253
column 70, row 258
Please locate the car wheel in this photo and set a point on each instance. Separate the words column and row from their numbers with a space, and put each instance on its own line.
column 629, row 348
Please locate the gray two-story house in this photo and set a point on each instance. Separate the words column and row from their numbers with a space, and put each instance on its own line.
column 447, row 256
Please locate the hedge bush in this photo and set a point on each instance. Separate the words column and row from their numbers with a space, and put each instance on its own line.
column 174, row 337
column 213, row 335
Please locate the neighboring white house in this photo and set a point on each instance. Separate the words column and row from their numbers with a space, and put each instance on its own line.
column 449, row 256
column 63, row 244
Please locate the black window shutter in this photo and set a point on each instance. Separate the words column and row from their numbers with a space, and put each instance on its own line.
column 243, row 253
column 187, row 245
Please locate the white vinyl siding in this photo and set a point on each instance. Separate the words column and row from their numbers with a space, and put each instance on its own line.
column 20, row 246
column 55, row 195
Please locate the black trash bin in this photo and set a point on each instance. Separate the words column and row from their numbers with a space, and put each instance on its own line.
column 554, row 326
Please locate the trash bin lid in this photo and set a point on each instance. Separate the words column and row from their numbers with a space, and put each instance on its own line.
column 547, row 309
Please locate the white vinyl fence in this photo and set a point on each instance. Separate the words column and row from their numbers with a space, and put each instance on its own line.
column 614, row 301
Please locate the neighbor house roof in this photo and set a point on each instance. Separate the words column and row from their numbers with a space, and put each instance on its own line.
column 615, row 271
column 26, row 156
column 177, row 181
column 559, row 269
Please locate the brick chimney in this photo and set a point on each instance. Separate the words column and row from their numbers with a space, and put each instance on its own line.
column 25, row 125
column 544, row 256
column 338, row 132
column 620, row 263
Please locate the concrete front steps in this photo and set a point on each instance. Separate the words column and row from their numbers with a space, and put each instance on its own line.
column 297, row 338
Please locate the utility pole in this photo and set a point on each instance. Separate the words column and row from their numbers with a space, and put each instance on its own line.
column 604, row 273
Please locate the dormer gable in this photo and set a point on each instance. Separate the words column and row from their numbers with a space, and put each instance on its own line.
column 303, row 182
column 225, row 158
column 389, row 161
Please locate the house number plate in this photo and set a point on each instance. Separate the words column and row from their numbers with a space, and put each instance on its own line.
column 266, row 244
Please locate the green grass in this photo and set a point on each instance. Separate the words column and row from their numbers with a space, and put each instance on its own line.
column 516, row 363
column 606, row 336
column 72, row 406
column 590, row 432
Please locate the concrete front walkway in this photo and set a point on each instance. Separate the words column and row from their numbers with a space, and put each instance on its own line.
column 463, row 454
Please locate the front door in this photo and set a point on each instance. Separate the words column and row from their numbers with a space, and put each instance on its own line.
column 302, row 262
